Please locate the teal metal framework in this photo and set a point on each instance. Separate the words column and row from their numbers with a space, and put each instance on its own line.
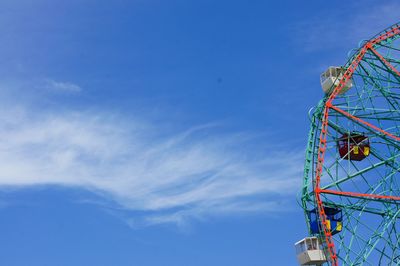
column 367, row 191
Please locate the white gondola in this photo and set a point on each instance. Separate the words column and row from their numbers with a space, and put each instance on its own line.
column 331, row 78
column 309, row 252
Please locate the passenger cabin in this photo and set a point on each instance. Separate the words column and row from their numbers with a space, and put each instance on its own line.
column 354, row 146
column 330, row 79
column 334, row 220
column 309, row 252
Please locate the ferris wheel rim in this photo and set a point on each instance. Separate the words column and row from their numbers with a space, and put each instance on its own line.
column 392, row 33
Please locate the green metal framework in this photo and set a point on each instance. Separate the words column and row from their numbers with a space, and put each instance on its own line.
column 367, row 191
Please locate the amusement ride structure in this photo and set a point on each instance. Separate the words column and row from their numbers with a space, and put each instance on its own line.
column 351, row 186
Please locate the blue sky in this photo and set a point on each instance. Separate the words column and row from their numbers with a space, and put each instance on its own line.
column 162, row 132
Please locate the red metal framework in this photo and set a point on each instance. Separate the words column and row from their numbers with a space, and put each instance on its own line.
column 369, row 46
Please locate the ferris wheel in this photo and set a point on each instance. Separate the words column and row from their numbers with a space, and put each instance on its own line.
column 351, row 185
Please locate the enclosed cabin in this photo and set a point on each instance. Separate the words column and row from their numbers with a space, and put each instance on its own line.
column 334, row 220
column 353, row 146
column 309, row 251
column 330, row 79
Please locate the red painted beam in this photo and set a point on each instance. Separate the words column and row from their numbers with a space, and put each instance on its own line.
column 337, row 109
column 390, row 66
column 359, row 195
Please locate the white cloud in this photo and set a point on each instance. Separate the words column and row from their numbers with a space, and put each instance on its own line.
column 59, row 86
column 169, row 177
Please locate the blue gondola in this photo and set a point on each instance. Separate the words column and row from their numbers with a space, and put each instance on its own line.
column 334, row 219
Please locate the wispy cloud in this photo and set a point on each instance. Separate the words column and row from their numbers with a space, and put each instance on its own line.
column 58, row 86
column 345, row 28
column 166, row 176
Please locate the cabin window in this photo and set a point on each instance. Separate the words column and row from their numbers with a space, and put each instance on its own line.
column 301, row 247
